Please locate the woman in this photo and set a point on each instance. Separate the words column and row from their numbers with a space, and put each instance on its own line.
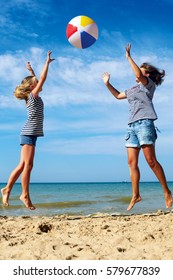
column 28, row 90
column 141, row 133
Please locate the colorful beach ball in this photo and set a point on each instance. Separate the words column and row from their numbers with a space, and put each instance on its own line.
column 82, row 32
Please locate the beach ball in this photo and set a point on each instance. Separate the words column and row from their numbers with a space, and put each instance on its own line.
column 82, row 32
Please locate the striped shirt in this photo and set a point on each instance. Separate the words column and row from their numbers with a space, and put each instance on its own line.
column 34, row 124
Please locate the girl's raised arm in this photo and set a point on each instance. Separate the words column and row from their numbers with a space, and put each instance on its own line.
column 43, row 75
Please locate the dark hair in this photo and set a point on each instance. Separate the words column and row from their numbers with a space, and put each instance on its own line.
column 155, row 74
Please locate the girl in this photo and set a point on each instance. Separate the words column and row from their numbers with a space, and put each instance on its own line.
column 28, row 90
column 141, row 133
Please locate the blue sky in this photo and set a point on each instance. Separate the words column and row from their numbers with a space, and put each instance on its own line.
column 84, row 125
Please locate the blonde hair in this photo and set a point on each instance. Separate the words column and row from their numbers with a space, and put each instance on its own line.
column 23, row 90
column 155, row 74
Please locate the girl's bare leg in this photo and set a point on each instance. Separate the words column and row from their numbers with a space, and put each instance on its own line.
column 28, row 155
column 24, row 167
column 12, row 179
column 133, row 154
column 150, row 156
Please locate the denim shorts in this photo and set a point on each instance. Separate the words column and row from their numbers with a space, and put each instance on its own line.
column 28, row 140
column 140, row 133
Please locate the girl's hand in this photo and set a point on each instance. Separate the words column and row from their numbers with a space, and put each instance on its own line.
column 106, row 77
column 128, row 50
column 49, row 59
column 29, row 67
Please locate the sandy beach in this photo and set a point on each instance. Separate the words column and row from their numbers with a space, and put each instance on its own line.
column 135, row 237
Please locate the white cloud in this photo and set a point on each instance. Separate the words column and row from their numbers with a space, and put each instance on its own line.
column 95, row 123
column 77, row 81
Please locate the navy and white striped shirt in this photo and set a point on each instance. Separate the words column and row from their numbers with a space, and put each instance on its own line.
column 35, row 112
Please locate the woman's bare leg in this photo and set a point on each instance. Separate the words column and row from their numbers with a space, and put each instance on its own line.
column 150, row 156
column 133, row 154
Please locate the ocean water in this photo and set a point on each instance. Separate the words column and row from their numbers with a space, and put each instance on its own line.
column 84, row 199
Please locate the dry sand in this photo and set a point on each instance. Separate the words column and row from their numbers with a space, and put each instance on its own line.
column 135, row 237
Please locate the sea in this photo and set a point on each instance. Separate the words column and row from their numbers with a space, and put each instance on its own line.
column 85, row 199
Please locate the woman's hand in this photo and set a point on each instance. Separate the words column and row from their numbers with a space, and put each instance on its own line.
column 128, row 50
column 106, row 77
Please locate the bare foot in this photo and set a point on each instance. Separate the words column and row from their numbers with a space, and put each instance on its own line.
column 27, row 202
column 168, row 200
column 5, row 196
column 133, row 201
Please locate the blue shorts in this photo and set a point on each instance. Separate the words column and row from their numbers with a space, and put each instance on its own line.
column 140, row 133
column 28, row 140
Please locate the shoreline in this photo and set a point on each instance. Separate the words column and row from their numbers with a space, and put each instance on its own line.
column 86, row 199
column 99, row 237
